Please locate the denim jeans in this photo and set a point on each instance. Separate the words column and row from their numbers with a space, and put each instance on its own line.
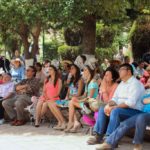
column 106, row 125
column 139, row 122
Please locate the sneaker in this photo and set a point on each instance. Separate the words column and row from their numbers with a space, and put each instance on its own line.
column 97, row 139
column 13, row 123
column 20, row 123
column 137, row 147
column 104, row 146
column 2, row 121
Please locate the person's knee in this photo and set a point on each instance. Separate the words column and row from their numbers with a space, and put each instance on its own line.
column 101, row 110
column 18, row 104
column 71, row 103
column 140, row 119
column 5, row 104
column 123, row 125
column 115, row 112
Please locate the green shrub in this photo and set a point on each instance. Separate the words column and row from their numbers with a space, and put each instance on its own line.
column 104, row 35
column 103, row 53
column 69, row 52
column 50, row 50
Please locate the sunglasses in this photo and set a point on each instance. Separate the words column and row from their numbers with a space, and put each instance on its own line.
column 28, row 70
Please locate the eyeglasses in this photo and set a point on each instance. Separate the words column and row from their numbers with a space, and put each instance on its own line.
column 28, row 70
column 121, row 69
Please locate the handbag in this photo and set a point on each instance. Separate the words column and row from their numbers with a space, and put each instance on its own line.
column 95, row 104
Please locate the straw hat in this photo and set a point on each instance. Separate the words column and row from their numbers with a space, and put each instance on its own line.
column 17, row 59
column 66, row 61
column 148, row 68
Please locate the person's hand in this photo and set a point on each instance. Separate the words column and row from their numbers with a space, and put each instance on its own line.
column 66, row 98
column 108, row 109
column 112, row 103
column 46, row 98
column 103, row 86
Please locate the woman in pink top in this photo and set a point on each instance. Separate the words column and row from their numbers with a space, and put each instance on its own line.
column 106, row 91
column 108, row 85
column 51, row 91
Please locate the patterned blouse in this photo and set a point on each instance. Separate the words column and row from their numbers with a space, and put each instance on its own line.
column 33, row 87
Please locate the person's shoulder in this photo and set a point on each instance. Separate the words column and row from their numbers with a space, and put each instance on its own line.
column 93, row 81
column 81, row 80
column 115, row 85
column 59, row 80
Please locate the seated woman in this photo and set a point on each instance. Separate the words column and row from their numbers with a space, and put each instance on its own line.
column 91, row 91
column 146, row 78
column 51, row 91
column 17, row 71
column 40, row 75
column 106, row 91
column 75, row 89
column 139, row 122
column 75, row 86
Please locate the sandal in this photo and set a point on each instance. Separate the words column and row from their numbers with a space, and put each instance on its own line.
column 76, row 127
column 69, row 126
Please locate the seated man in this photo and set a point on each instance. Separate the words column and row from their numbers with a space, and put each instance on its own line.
column 24, row 91
column 139, row 122
column 6, row 91
column 125, row 103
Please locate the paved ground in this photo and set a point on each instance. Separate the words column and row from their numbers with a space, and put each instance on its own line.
column 45, row 138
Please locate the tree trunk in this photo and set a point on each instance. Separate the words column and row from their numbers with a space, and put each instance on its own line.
column 89, row 34
column 35, row 34
column 24, row 34
column 15, row 46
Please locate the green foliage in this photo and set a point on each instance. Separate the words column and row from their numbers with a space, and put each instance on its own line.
column 50, row 50
column 132, row 30
column 73, row 36
column 108, row 53
column 65, row 13
column 104, row 35
column 69, row 52
column 140, row 38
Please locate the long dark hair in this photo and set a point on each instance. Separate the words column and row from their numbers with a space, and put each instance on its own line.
column 56, row 75
column 114, row 72
column 77, row 75
column 91, row 71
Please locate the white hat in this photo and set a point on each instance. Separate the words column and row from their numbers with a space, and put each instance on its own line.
column 2, row 71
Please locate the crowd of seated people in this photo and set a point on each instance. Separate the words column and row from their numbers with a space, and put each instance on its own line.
column 114, row 100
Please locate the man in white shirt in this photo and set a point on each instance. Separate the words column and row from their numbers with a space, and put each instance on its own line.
column 6, row 91
column 125, row 103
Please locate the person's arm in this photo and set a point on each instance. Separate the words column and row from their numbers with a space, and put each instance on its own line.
column 8, row 96
column 103, row 90
column 10, row 91
column 21, row 87
column 22, row 73
column 92, row 91
column 80, row 87
column 67, row 95
column 123, row 105
column 146, row 101
column 59, row 88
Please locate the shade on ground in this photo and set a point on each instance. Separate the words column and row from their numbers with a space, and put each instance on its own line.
column 45, row 138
